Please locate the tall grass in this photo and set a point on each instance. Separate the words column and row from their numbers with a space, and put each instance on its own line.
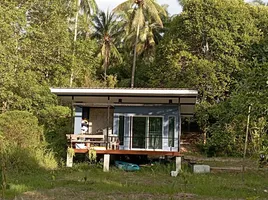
column 152, row 182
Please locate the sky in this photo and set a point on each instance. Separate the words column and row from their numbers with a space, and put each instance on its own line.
column 173, row 8
column 173, row 5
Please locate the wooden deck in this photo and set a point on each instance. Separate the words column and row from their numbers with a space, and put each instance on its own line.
column 131, row 152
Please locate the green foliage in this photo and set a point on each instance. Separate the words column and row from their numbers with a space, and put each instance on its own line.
column 70, row 152
column 225, row 122
column 92, row 155
column 21, row 129
column 217, row 47
column 24, row 142
column 57, row 123
column 205, row 47
column 108, row 32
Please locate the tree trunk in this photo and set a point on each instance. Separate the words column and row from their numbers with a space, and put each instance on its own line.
column 135, row 58
column 106, row 62
column 4, row 106
column 74, row 42
column 205, row 137
column 76, row 20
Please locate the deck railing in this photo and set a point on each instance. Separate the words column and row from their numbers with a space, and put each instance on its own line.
column 102, row 142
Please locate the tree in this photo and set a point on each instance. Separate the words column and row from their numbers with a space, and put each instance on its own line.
column 107, row 31
column 12, row 40
column 49, row 45
column 214, row 32
column 150, row 35
column 87, row 8
column 141, row 11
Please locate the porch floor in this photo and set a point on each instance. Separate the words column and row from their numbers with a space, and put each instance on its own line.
column 131, row 152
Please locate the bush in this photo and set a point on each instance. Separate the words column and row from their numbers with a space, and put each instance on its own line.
column 23, row 142
column 57, row 123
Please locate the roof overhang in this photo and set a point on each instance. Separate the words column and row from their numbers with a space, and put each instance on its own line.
column 102, row 97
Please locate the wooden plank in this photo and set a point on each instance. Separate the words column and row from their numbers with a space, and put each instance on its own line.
column 132, row 152
column 79, row 141
column 85, row 136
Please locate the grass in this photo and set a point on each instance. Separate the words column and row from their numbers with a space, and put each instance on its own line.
column 89, row 182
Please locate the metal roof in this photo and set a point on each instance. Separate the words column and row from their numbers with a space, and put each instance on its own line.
column 159, row 92
column 101, row 97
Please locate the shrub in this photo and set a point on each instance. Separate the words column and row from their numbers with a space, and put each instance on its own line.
column 57, row 123
column 25, row 147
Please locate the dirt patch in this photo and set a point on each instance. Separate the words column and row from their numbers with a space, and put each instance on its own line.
column 67, row 193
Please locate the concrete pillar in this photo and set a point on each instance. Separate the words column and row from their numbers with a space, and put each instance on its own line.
column 178, row 164
column 69, row 160
column 106, row 162
column 178, row 167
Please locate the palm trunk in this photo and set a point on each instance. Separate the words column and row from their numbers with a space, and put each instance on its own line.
column 135, row 58
column 74, row 42
column 105, row 62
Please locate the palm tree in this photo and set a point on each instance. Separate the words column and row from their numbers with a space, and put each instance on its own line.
column 87, row 8
column 107, row 31
column 149, row 36
column 142, row 11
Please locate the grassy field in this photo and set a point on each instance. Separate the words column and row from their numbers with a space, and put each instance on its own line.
column 89, row 182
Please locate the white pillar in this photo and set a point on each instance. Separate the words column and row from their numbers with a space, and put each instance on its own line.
column 69, row 160
column 106, row 162
column 178, row 167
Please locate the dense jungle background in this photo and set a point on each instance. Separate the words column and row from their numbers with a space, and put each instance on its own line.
column 218, row 47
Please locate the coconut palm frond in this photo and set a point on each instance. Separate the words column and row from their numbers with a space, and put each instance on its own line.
column 153, row 12
column 107, row 31
column 93, row 5
column 138, row 18
column 124, row 6
column 140, row 48
column 115, row 53
column 88, row 7
column 162, row 10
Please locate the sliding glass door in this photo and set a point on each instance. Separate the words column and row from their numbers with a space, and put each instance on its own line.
column 139, row 132
column 147, row 132
column 155, row 133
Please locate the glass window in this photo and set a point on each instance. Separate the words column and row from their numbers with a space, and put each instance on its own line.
column 171, row 131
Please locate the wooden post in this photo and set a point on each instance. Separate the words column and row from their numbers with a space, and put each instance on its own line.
column 108, row 119
column 72, row 113
column 106, row 162
column 246, row 140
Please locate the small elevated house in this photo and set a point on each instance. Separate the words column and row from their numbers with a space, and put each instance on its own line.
column 128, row 120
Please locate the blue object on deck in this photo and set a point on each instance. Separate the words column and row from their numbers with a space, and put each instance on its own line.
column 127, row 166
